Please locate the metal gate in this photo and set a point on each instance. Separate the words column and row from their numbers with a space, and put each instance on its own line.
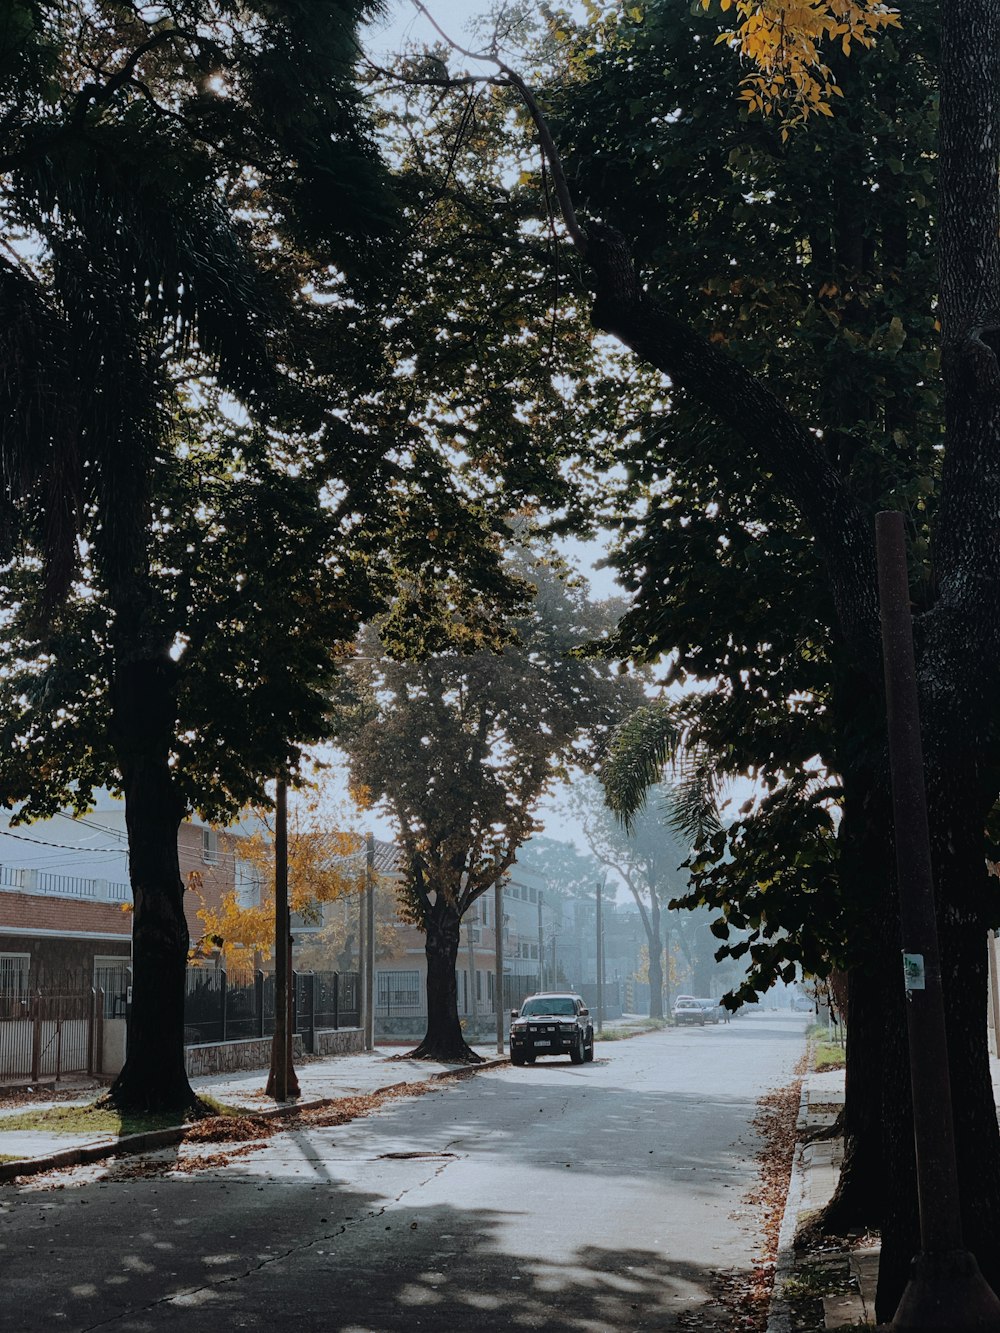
column 46, row 1035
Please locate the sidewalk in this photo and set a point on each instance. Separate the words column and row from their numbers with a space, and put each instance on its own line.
column 333, row 1078
column 814, row 1178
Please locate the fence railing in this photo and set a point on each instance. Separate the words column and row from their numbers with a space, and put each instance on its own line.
column 30, row 880
column 220, row 1008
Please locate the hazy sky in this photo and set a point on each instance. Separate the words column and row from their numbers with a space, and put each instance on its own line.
column 404, row 26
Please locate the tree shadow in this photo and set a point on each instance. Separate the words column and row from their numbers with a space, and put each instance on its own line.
column 309, row 1256
column 363, row 1226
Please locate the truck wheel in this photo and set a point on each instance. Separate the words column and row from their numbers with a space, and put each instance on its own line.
column 516, row 1058
column 576, row 1051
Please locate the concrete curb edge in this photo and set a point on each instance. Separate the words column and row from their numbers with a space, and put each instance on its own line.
column 779, row 1318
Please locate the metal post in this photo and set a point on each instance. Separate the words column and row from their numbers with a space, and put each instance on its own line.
column 473, row 1003
column 363, row 955
column 541, row 946
column 498, row 961
column 36, row 1039
column 369, row 971
column 946, row 1289
column 336, row 1001
column 223, row 996
column 599, row 961
column 258, row 999
column 991, row 944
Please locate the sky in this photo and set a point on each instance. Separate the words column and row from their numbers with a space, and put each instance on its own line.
column 403, row 26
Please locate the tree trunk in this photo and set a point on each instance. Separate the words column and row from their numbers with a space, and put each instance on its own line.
column 859, row 1199
column 957, row 820
column 667, row 992
column 867, row 880
column 444, row 1039
column 153, row 1077
column 655, row 958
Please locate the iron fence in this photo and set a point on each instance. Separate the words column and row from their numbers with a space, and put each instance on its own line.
column 217, row 1009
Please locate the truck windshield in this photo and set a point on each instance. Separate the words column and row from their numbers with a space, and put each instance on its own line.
column 558, row 1006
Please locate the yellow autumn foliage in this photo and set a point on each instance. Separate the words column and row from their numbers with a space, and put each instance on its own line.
column 323, row 865
column 785, row 41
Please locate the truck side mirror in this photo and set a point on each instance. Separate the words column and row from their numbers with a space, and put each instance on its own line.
column 514, row 1013
column 584, row 1013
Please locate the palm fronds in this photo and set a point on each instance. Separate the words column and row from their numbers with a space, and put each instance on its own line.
column 638, row 751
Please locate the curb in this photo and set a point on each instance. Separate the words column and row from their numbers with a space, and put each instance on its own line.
column 151, row 1139
column 779, row 1315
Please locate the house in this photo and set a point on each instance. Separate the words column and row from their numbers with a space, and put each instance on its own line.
column 65, row 898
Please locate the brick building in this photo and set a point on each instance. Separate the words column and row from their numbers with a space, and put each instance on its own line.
column 65, row 899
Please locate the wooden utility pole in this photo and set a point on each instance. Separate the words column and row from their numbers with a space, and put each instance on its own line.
column 369, row 973
column 541, row 945
column 946, row 1290
column 498, row 961
column 282, row 1082
column 599, row 917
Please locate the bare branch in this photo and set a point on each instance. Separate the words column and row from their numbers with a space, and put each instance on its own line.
column 549, row 151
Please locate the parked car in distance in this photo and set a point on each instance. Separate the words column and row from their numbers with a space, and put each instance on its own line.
column 712, row 1009
column 556, row 1023
column 688, row 1010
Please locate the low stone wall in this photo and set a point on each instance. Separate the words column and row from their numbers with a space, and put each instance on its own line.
column 255, row 1053
column 345, row 1041
column 228, row 1056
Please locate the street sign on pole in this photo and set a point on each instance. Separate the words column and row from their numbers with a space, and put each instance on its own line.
column 946, row 1290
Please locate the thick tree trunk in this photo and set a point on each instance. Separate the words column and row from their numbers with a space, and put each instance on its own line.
column 444, row 1039
column 867, row 886
column 859, row 1199
column 957, row 819
column 153, row 1077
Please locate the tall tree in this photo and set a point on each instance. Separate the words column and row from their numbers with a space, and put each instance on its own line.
column 459, row 746
column 161, row 166
column 824, row 454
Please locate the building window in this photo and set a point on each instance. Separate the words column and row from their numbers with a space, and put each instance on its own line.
column 533, row 895
column 479, row 986
column 14, row 968
column 210, row 847
column 248, row 885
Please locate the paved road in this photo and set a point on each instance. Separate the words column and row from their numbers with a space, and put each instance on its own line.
column 571, row 1199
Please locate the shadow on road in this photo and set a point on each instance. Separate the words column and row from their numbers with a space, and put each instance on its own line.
column 446, row 1268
